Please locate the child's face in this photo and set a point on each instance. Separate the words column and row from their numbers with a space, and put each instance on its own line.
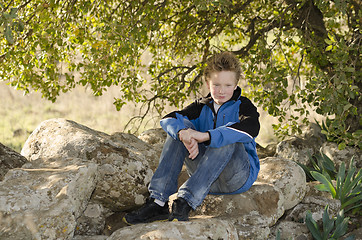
column 222, row 85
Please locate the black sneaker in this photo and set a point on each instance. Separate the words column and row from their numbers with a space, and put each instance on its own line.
column 149, row 212
column 180, row 210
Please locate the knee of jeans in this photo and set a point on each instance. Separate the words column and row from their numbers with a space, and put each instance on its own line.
column 229, row 147
column 189, row 124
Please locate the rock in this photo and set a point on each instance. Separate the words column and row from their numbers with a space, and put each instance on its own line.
column 95, row 237
column 268, row 151
column 155, row 137
column 288, row 176
column 9, row 159
column 113, row 223
column 124, row 161
column 204, row 228
column 255, row 232
column 93, row 220
column 338, row 156
column 291, row 230
column 261, row 205
column 314, row 201
column 312, row 192
column 43, row 202
column 296, row 149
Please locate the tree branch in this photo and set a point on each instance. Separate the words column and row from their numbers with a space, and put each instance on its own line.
column 7, row 7
column 23, row 5
column 254, row 37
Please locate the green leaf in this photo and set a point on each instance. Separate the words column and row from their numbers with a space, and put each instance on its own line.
column 342, row 146
column 312, row 226
column 9, row 35
column 348, row 183
column 328, row 41
column 328, row 185
column 341, row 229
column 328, row 223
column 340, row 179
column 322, row 187
column 356, row 199
column 349, row 69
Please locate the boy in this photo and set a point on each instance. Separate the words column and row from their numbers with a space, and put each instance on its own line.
column 214, row 137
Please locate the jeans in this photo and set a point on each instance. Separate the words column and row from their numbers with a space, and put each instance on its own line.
column 214, row 170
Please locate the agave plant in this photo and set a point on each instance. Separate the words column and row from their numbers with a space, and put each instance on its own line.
column 348, row 186
column 333, row 228
column 320, row 163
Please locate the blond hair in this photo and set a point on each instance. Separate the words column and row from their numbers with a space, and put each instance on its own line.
column 224, row 61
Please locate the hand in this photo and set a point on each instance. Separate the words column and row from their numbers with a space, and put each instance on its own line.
column 193, row 148
column 191, row 138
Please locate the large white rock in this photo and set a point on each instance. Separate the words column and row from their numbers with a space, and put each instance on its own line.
column 204, row 228
column 287, row 175
column 125, row 162
column 38, row 202
column 261, row 205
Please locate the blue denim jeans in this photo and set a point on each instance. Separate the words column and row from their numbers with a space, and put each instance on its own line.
column 215, row 170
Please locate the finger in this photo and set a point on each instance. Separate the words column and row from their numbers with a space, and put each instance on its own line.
column 194, row 154
column 194, row 149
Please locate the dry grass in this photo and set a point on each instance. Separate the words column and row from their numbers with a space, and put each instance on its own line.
column 20, row 114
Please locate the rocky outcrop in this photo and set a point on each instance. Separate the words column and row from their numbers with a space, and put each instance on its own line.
column 261, row 205
column 9, row 159
column 124, row 161
column 79, row 182
column 207, row 228
column 44, row 202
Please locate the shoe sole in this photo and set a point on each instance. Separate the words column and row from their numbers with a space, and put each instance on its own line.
column 176, row 220
column 151, row 220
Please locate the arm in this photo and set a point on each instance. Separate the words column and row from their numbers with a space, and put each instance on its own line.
column 191, row 138
column 173, row 122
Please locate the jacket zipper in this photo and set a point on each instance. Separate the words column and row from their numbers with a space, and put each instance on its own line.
column 215, row 119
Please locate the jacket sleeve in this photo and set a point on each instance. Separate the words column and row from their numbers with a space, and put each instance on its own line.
column 173, row 122
column 245, row 130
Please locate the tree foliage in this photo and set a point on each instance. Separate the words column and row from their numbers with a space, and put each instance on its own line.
column 297, row 55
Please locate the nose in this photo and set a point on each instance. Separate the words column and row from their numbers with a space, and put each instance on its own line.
column 221, row 90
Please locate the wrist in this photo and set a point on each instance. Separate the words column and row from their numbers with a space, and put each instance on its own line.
column 178, row 133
